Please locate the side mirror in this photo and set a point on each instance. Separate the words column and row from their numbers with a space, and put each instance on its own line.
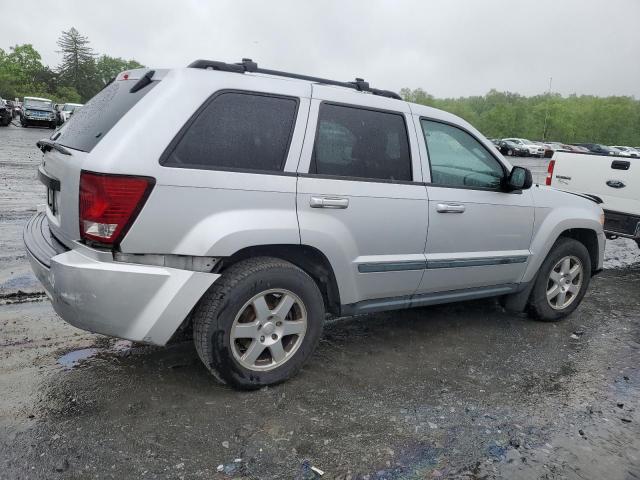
column 519, row 179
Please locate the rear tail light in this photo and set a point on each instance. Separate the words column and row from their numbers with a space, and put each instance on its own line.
column 109, row 204
column 552, row 165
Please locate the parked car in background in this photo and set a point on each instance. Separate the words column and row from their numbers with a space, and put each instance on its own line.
column 559, row 146
column 578, row 149
column 12, row 107
column 37, row 111
column 548, row 149
column 533, row 149
column 66, row 110
column 618, row 152
column 17, row 108
column 512, row 149
column 6, row 113
column 627, row 151
column 270, row 199
column 596, row 148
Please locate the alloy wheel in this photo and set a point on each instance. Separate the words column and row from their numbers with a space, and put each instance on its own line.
column 564, row 282
column 268, row 330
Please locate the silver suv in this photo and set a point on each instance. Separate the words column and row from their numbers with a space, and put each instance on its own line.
column 267, row 200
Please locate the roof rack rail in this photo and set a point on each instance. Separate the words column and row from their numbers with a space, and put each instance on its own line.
column 248, row 65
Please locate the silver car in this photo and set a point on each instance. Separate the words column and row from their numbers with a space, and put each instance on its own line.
column 268, row 199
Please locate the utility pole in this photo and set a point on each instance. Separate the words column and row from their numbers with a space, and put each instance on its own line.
column 546, row 115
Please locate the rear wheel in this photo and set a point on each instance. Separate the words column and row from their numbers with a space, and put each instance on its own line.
column 259, row 323
column 510, row 153
column 562, row 281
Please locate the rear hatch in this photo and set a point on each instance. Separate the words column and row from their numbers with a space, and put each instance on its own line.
column 69, row 147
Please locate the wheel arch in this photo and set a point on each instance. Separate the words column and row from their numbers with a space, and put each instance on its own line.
column 576, row 219
column 305, row 257
column 589, row 238
column 517, row 302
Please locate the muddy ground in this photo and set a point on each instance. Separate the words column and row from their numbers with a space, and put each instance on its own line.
column 458, row 391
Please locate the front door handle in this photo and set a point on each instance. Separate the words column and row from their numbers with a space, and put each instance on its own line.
column 450, row 208
column 329, row 202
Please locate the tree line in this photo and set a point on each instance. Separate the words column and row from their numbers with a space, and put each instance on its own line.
column 552, row 117
column 81, row 74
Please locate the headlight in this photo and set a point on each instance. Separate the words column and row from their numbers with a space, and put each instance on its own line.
column 27, row 112
column 602, row 219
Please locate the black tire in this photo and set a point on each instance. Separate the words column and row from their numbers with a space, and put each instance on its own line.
column 538, row 306
column 214, row 315
column 52, row 125
column 24, row 124
column 510, row 153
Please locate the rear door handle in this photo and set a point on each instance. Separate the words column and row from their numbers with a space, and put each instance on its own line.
column 450, row 208
column 329, row 202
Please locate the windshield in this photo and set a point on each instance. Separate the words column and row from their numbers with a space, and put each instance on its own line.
column 67, row 107
column 44, row 104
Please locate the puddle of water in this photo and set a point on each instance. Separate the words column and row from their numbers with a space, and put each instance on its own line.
column 71, row 359
column 23, row 281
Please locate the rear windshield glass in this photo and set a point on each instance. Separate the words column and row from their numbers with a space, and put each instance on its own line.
column 89, row 124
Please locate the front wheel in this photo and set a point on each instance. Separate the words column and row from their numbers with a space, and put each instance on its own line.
column 562, row 281
column 259, row 323
column 510, row 153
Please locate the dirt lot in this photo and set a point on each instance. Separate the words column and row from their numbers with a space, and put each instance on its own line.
column 458, row 391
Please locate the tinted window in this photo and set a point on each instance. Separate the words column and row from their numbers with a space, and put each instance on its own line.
column 238, row 131
column 88, row 125
column 457, row 159
column 353, row 142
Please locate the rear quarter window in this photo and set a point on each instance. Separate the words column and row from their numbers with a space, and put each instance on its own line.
column 89, row 124
column 236, row 131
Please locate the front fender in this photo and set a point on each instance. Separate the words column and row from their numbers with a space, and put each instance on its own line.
column 552, row 221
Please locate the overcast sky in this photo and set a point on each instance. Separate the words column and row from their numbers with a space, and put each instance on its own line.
column 447, row 47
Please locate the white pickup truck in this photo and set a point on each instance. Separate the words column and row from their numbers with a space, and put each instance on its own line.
column 613, row 180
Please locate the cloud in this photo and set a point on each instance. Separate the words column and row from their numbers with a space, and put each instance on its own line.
column 447, row 47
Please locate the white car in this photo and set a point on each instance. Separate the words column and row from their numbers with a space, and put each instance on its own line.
column 67, row 110
column 626, row 151
column 534, row 150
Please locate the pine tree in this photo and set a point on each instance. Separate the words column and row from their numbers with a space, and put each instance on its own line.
column 78, row 63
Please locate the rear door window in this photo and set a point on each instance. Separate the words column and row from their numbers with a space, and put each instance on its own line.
column 361, row 143
column 237, row 131
column 89, row 124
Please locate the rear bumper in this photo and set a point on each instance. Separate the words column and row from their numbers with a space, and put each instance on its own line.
column 92, row 292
